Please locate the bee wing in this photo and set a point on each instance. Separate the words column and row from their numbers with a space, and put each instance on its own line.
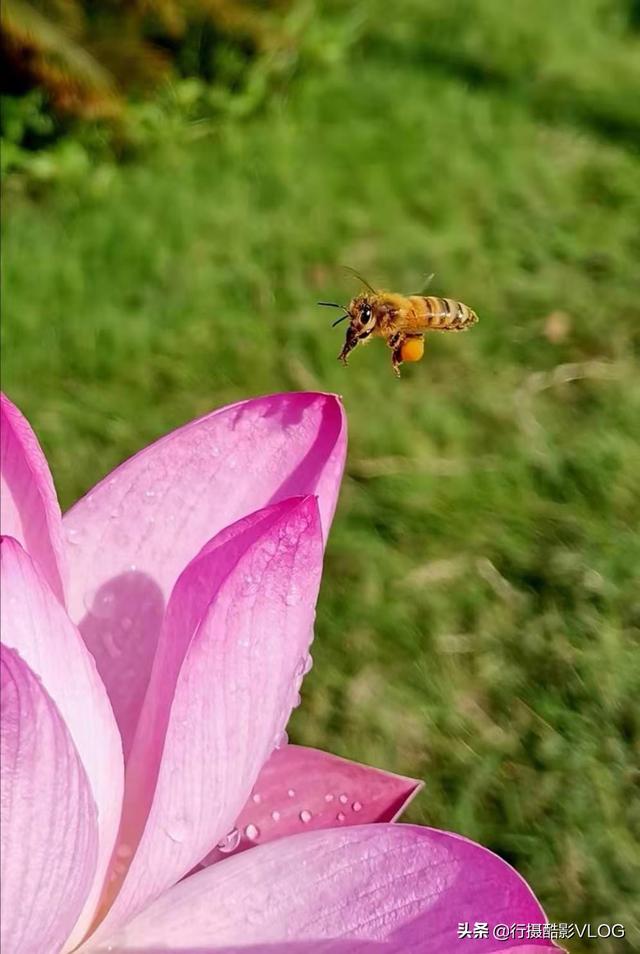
column 426, row 284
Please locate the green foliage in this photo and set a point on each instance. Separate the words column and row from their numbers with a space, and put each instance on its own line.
column 218, row 65
column 42, row 46
column 114, row 76
column 85, row 54
column 479, row 619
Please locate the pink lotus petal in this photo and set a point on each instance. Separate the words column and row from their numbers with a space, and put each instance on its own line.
column 135, row 531
column 189, row 603
column 49, row 835
column 29, row 508
column 232, row 697
column 35, row 624
column 301, row 789
column 407, row 886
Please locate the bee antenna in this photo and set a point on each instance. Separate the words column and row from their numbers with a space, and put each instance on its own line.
column 331, row 304
column 338, row 320
column 360, row 278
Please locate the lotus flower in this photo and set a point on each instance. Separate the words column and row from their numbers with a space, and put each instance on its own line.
column 154, row 642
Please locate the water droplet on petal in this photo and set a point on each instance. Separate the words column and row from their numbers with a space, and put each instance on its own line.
column 126, row 623
column 328, row 797
column 275, row 815
column 293, row 597
column 341, row 816
column 256, row 797
column 177, row 830
column 291, row 792
column 73, row 536
column 252, row 832
column 149, row 495
column 280, row 740
column 304, row 665
column 101, row 604
column 343, row 799
column 357, row 806
column 305, row 816
column 230, row 841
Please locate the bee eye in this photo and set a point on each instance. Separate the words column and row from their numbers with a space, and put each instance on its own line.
column 365, row 314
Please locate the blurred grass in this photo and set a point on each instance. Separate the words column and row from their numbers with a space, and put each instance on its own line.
column 479, row 617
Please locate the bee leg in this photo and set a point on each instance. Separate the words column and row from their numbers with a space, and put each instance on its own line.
column 395, row 342
column 344, row 354
column 351, row 340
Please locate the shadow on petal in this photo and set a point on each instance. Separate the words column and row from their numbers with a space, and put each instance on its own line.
column 121, row 629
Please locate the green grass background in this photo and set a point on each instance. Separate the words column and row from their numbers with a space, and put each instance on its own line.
column 479, row 617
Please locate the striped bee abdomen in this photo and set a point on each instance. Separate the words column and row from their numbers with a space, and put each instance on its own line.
column 447, row 314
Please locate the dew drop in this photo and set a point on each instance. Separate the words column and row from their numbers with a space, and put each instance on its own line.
column 341, row 816
column 305, row 665
column 252, row 832
column 124, row 851
column 291, row 792
column 293, row 596
column 230, row 841
column 357, row 806
column 281, row 739
column 178, row 830
column 111, row 643
column 275, row 815
column 149, row 495
column 73, row 537
column 256, row 798
column 101, row 604
column 126, row 623
column 343, row 799
column 328, row 797
column 305, row 816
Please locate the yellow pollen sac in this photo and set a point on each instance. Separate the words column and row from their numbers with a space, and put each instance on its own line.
column 412, row 349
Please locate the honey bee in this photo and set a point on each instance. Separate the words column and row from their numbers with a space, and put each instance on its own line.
column 400, row 319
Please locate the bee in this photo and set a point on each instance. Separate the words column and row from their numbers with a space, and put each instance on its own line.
column 400, row 319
